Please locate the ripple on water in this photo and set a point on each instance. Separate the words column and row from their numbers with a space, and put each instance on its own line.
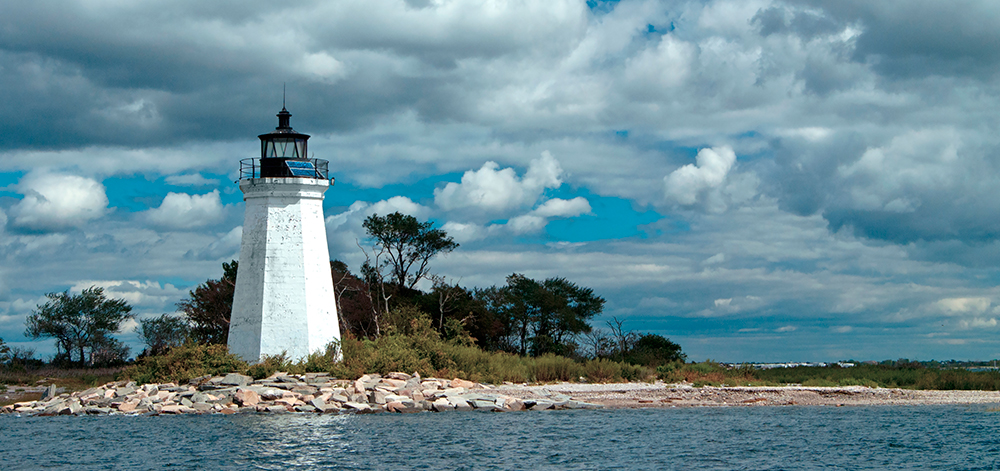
column 897, row 437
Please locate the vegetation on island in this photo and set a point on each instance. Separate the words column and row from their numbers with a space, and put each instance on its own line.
column 525, row 330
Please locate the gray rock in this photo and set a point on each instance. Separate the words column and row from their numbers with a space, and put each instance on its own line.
column 202, row 406
column 339, row 397
column 485, row 405
column 199, row 397
column 236, row 379
column 307, row 408
column 186, row 402
column 318, row 403
column 459, row 403
column 442, row 405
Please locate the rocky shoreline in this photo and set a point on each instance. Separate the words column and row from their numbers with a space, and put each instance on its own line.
column 283, row 393
column 404, row 393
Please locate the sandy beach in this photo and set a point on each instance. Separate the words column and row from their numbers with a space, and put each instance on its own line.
column 643, row 395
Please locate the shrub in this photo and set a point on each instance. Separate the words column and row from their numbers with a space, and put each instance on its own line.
column 183, row 363
column 550, row 367
column 670, row 372
column 602, row 370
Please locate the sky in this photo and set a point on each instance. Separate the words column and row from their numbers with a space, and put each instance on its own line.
column 756, row 180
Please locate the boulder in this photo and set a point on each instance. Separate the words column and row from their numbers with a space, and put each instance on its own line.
column 236, row 379
column 442, row 405
column 246, row 397
column 129, row 406
column 49, row 392
column 392, row 383
column 461, row 383
column 459, row 403
column 399, row 376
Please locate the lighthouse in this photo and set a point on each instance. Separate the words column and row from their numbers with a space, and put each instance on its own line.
column 284, row 298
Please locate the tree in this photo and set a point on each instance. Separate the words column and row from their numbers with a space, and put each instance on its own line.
column 654, row 350
column 542, row 317
column 4, row 351
column 210, row 306
column 401, row 243
column 81, row 324
column 354, row 303
column 163, row 332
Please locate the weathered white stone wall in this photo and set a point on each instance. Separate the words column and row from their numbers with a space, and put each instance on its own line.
column 284, row 298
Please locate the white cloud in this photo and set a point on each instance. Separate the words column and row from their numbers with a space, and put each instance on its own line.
column 57, row 201
column 714, row 259
column 321, row 67
column 184, row 211
column 494, row 190
column 958, row 306
column 465, row 232
column 685, row 184
column 227, row 246
column 400, row 204
column 557, row 207
column 787, row 328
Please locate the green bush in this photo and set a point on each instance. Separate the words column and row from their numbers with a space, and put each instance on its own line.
column 602, row 370
column 182, row 363
column 550, row 367
column 271, row 364
column 670, row 372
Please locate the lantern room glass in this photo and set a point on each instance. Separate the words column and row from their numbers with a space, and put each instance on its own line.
column 294, row 148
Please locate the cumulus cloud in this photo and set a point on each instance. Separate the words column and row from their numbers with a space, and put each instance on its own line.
column 54, row 202
column 226, row 246
column 961, row 306
column 539, row 217
column 344, row 230
column 686, row 184
column 184, row 211
column 494, row 190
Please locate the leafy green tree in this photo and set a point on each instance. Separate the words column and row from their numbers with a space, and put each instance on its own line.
column 654, row 350
column 210, row 306
column 163, row 332
column 405, row 246
column 542, row 317
column 82, row 325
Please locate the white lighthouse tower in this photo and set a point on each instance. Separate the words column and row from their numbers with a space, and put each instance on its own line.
column 284, row 290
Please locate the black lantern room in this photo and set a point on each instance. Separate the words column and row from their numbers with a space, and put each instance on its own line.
column 283, row 153
column 284, row 141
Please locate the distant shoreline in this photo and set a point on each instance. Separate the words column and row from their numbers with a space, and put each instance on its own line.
column 658, row 395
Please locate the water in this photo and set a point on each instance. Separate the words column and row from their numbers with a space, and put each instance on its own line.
column 906, row 437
